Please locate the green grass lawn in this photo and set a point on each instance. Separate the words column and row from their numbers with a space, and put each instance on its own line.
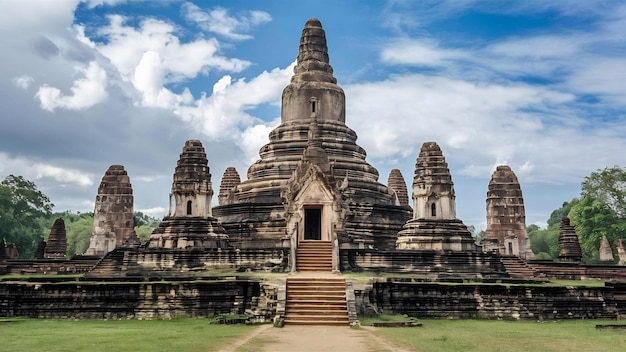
column 505, row 336
column 181, row 334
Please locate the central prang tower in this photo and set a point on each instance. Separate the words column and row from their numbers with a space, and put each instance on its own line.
column 332, row 192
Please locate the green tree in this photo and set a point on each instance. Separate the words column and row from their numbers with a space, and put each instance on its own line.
column 78, row 230
column 608, row 187
column 593, row 219
column 545, row 242
column 144, row 225
column 22, row 206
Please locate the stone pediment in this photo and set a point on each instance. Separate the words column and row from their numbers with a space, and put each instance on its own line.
column 309, row 184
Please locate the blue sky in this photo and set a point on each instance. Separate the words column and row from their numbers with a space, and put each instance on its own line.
column 538, row 85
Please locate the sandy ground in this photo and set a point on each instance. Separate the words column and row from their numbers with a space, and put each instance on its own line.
column 312, row 339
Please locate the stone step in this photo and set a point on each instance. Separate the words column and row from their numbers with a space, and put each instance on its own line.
column 291, row 297
column 317, row 322
column 316, row 301
column 329, row 289
column 327, row 268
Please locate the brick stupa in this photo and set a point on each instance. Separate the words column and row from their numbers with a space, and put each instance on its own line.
column 57, row 241
column 230, row 180
column 396, row 182
column 190, row 224
column 506, row 216
column 569, row 246
column 434, row 225
column 113, row 212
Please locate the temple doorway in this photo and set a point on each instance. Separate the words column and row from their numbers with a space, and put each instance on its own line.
column 312, row 223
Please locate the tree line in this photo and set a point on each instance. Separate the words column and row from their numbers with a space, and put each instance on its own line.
column 599, row 211
column 26, row 218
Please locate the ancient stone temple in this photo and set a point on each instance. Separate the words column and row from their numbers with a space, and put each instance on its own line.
column 327, row 192
column 434, row 225
column 113, row 212
column 606, row 254
column 569, row 246
column 506, row 216
column 190, row 223
column 57, row 241
column 396, row 183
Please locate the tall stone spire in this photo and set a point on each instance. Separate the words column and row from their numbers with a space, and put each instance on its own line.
column 230, row 179
column 313, row 90
column 113, row 212
column 191, row 189
column 434, row 225
column 57, row 241
column 569, row 246
column 506, row 217
column 396, row 182
column 190, row 224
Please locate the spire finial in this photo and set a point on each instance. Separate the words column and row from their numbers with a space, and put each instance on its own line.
column 313, row 62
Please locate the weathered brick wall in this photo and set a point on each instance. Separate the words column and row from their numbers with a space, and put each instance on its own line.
column 120, row 300
column 48, row 266
column 433, row 264
column 465, row 301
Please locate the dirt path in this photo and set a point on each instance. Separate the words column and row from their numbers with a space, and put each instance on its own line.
column 313, row 339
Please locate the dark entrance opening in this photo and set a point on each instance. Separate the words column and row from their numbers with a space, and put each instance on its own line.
column 313, row 224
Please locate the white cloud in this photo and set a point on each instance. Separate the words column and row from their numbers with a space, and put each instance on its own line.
column 94, row 3
column 417, row 52
column 31, row 169
column 218, row 21
column 86, row 92
column 480, row 125
column 61, row 175
column 23, row 82
column 223, row 115
column 253, row 138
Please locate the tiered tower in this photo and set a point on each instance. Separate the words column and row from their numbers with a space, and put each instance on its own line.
column 569, row 246
column 396, row 182
column 506, row 217
column 190, row 224
column 113, row 212
column 434, row 225
column 230, row 179
column 57, row 241
column 256, row 213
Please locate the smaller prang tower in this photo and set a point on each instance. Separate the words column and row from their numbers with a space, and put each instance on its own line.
column 569, row 246
column 190, row 224
column 57, row 241
column 506, row 217
column 434, row 225
column 113, row 222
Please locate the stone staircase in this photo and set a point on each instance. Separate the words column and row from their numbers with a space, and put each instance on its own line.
column 517, row 268
column 316, row 301
column 110, row 265
column 314, row 256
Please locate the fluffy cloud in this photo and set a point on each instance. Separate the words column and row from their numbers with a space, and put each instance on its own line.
column 219, row 22
column 36, row 170
column 61, row 175
column 86, row 91
column 223, row 114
